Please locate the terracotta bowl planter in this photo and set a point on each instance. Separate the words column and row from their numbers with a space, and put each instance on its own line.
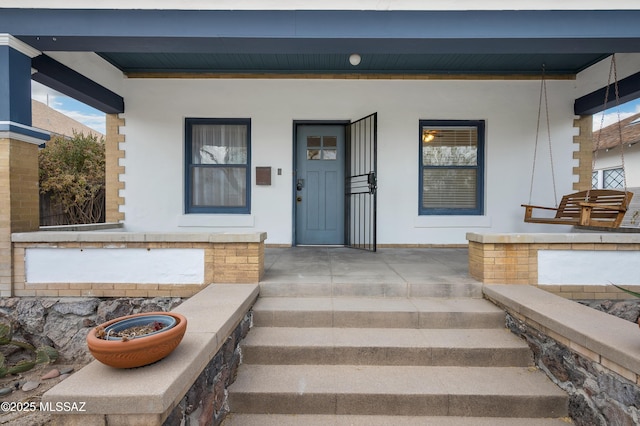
column 141, row 350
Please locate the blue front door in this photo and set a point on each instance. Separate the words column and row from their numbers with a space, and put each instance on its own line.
column 319, row 191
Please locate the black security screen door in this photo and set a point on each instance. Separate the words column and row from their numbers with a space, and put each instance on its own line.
column 361, row 184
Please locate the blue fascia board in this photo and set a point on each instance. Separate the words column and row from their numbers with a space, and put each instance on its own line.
column 322, row 24
column 59, row 77
column 17, row 128
column 207, row 30
column 594, row 102
column 260, row 45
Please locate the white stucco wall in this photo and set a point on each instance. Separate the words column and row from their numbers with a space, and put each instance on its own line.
column 114, row 265
column 587, row 267
column 156, row 108
column 154, row 187
column 613, row 159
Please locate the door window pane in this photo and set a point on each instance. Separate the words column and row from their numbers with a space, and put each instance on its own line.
column 329, row 154
column 330, row 141
column 313, row 154
column 322, row 147
column 314, row 141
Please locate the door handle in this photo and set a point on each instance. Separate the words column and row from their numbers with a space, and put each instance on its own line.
column 300, row 184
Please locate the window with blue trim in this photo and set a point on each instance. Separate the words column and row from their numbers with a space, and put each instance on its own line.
column 451, row 167
column 218, row 172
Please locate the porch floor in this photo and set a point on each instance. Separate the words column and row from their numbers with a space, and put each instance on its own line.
column 393, row 272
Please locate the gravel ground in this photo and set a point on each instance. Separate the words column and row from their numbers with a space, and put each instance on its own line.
column 10, row 412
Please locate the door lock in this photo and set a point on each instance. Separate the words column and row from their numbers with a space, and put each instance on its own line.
column 372, row 182
column 299, row 199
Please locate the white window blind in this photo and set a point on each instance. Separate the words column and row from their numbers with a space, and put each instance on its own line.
column 450, row 168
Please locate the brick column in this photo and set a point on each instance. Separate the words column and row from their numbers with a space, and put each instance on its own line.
column 113, row 169
column 496, row 263
column 584, row 154
column 19, row 199
column 5, row 220
column 23, row 181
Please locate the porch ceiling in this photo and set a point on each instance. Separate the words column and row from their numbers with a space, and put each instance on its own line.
column 320, row 42
column 338, row 63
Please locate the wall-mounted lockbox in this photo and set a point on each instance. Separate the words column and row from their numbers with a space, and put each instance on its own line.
column 263, row 175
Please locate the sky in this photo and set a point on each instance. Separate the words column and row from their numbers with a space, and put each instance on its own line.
column 611, row 115
column 80, row 112
column 96, row 119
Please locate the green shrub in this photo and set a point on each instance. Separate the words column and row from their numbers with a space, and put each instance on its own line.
column 72, row 173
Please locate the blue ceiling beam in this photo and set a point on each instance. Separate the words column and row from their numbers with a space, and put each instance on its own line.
column 59, row 77
column 594, row 102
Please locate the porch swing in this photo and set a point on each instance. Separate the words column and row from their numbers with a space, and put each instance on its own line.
column 604, row 208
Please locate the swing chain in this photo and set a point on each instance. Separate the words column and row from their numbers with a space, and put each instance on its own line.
column 543, row 90
column 617, row 93
column 612, row 73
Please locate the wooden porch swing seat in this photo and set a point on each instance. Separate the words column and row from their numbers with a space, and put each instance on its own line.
column 597, row 207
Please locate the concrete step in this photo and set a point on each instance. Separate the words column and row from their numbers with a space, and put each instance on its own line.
column 385, row 346
column 345, row 420
column 376, row 312
column 382, row 361
column 396, row 390
column 336, row 286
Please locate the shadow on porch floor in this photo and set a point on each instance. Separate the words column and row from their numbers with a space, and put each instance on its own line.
column 392, row 272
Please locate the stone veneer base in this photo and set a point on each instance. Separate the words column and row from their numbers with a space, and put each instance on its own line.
column 152, row 394
column 592, row 355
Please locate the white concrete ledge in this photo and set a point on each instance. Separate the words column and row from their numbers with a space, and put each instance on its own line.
column 151, row 392
column 560, row 238
column 136, row 237
column 609, row 338
column 574, row 259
